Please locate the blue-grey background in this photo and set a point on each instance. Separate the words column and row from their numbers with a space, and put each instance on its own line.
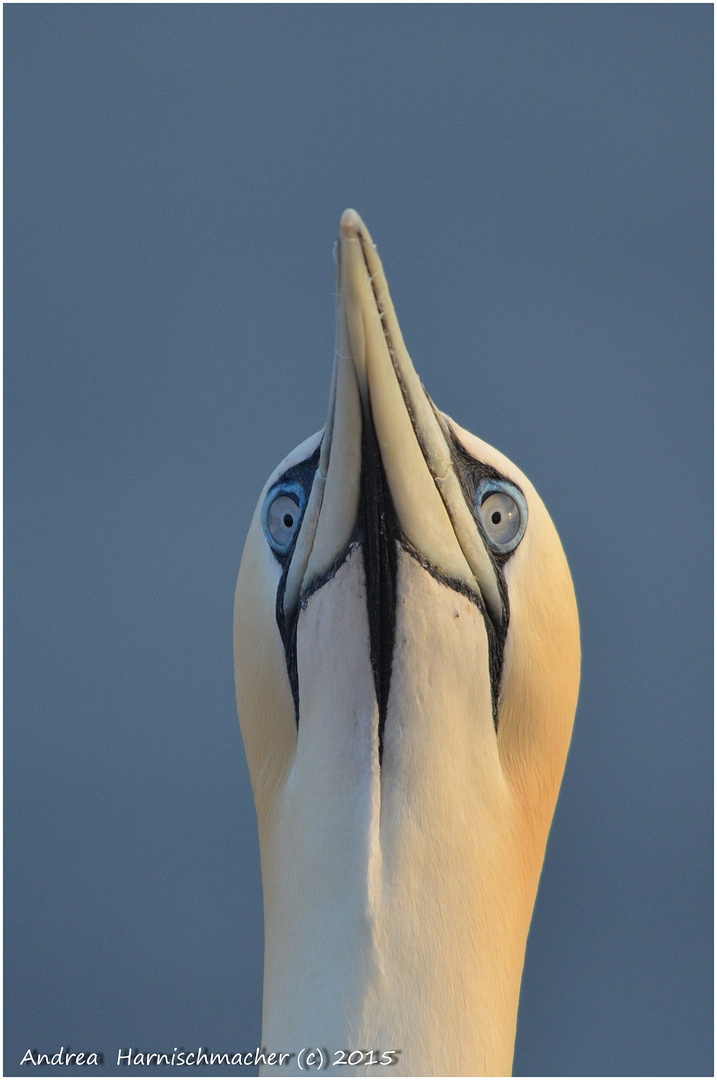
column 538, row 181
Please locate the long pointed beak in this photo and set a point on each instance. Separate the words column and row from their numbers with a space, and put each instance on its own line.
column 374, row 378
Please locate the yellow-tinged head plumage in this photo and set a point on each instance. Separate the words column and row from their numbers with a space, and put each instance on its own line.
column 407, row 661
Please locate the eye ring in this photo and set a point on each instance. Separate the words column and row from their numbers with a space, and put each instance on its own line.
column 503, row 514
column 281, row 515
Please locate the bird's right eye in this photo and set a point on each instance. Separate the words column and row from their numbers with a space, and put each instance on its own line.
column 280, row 518
column 503, row 512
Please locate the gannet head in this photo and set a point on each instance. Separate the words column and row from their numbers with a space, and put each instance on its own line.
column 407, row 661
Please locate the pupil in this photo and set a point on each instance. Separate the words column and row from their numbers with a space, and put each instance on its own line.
column 495, row 517
column 288, row 520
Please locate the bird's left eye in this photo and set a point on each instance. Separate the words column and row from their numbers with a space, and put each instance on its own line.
column 280, row 518
column 503, row 512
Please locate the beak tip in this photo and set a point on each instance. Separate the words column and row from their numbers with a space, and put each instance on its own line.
column 351, row 224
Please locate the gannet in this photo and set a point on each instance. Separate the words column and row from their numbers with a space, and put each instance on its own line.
column 407, row 663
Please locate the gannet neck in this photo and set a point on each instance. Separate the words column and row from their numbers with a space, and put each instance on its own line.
column 393, row 921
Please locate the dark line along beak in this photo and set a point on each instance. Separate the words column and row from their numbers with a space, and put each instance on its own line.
column 372, row 370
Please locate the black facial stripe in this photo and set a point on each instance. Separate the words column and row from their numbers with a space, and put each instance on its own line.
column 471, row 473
column 302, row 474
column 378, row 533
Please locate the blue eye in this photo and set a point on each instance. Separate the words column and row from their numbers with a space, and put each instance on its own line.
column 280, row 516
column 503, row 513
